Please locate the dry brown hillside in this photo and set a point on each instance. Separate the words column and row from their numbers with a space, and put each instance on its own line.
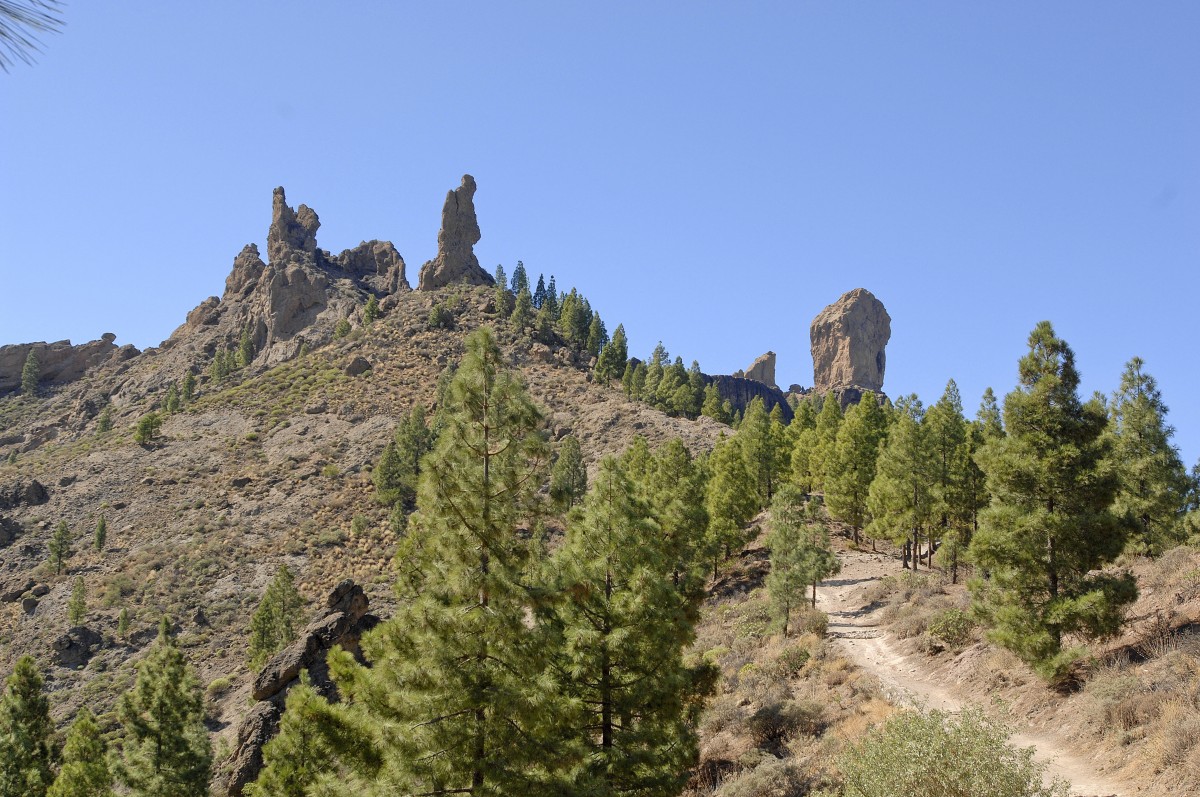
column 271, row 466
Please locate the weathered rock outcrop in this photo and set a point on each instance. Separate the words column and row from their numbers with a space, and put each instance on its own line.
column 344, row 622
column 58, row 362
column 22, row 492
column 763, row 370
column 376, row 263
column 848, row 341
column 292, row 232
column 456, row 261
column 297, row 296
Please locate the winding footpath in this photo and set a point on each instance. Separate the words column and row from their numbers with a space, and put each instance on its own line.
column 852, row 624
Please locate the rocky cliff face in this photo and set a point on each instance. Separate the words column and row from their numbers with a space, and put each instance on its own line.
column 740, row 391
column 59, row 362
column 848, row 341
column 456, row 261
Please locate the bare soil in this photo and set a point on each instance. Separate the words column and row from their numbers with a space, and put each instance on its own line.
column 908, row 678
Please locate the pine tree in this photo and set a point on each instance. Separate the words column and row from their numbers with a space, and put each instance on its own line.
column 341, row 329
column 77, row 606
column 25, row 752
column 801, row 554
column 852, row 470
column 520, row 280
column 552, row 300
column 189, row 388
column 59, row 547
column 31, row 374
column 988, row 417
column 614, row 356
column 164, row 748
column 123, row 623
column 673, row 485
column 147, row 428
column 399, row 467
column 714, row 406
column 539, row 293
column 543, row 325
column 824, row 442
column 502, row 298
column 101, row 535
column 455, row 671
column 273, row 625
column 624, row 632
column 760, row 449
column 302, row 756
column 245, row 350
column 731, row 498
column 804, row 441
column 84, row 770
column 371, row 311
column 900, row 500
column 1154, row 483
column 104, row 422
column 946, row 430
column 597, row 336
column 1050, row 528
column 522, row 314
column 171, row 403
column 568, row 477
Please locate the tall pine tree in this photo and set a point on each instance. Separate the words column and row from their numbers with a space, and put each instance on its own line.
column 164, row 748
column 625, row 627
column 1154, row 483
column 901, row 498
column 852, row 469
column 453, row 695
column 25, row 752
column 84, row 770
column 1050, row 528
column 801, row 555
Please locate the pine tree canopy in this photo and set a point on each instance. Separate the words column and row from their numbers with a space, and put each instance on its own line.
column 1051, row 527
column 25, row 753
column 84, row 770
column 165, row 747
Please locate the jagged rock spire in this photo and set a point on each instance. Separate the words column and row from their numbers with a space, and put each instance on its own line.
column 291, row 230
column 456, row 261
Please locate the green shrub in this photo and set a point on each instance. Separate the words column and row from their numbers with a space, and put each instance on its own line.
column 959, row 755
column 952, row 627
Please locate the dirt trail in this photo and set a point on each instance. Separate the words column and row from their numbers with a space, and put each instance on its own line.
column 853, row 624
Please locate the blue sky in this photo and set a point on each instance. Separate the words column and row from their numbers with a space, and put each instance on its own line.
column 710, row 174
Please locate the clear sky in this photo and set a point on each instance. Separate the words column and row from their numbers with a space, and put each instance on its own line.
column 710, row 174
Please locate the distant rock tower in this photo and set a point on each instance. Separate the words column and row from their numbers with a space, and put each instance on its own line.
column 456, row 261
column 848, row 341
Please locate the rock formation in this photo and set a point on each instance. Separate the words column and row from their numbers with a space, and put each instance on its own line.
column 344, row 622
column 292, row 231
column 456, row 261
column 740, row 391
column 763, row 370
column 848, row 340
column 297, row 296
column 59, row 362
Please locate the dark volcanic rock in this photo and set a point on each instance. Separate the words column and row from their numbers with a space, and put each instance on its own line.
column 456, row 261
column 740, row 391
column 291, row 230
column 344, row 622
column 22, row 492
column 76, row 647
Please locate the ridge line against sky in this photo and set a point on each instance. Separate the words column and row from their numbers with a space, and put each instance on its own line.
column 711, row 177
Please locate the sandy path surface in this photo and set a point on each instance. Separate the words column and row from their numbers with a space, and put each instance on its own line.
column 853, row 624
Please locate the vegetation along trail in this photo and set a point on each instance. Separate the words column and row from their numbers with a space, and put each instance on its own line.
column 853, row 622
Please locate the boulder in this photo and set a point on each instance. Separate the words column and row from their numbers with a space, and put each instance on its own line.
column 456, row 262
column 9, row 531
column 763, row 370
column 848, row 340
column 359, row 365
column 76, row 647
column 22, row 492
